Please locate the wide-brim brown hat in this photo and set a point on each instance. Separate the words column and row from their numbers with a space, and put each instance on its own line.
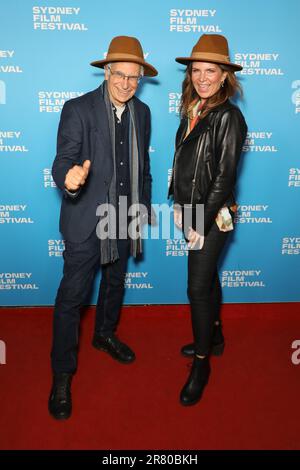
column 126, row 49
column 210, row 48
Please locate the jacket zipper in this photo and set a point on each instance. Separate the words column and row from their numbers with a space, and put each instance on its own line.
column 174, row 173
column 195, row 172
column 209, row 172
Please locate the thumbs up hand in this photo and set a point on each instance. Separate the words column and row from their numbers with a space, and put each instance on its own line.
column 77, row 176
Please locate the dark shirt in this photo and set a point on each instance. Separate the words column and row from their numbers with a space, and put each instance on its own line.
column 122, row 169
column 122, row 153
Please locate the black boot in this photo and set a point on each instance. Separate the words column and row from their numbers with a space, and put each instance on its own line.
column 218, row 341
column 217, row 347
column 198, row 378
column 60, row 401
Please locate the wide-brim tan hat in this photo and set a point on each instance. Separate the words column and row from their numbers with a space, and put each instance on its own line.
column 126, row 49
column 210, row 48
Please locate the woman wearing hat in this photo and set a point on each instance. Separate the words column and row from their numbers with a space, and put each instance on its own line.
column 208, row 146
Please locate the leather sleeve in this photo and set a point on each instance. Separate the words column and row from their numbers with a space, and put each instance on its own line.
column 69, row 141
column 230, row 137
column 181, row 131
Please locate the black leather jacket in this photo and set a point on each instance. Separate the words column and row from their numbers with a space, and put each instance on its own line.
column 205, row 163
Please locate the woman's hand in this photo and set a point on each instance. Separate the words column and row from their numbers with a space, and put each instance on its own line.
column 196, row 241
column 178, row 217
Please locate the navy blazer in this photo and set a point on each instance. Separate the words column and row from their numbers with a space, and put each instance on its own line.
column 83, row 134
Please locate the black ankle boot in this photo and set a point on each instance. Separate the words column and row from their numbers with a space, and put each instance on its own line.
column 217, row 346
column 218, row 341
column 60, row 401
column 188, row 350
column 198, row 378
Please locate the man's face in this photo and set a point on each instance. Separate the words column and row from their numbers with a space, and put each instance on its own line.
column 122, row 81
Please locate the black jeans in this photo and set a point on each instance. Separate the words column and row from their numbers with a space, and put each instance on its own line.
column 204, row 289
column 81, row 261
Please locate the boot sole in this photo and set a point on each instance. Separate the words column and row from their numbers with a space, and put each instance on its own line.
column 60, row 418
column 191, row 403
column 114, row 356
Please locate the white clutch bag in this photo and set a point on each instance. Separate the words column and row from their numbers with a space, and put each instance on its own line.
column 224, row 220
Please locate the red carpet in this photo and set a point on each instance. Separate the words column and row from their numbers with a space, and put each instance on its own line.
column 251, row 402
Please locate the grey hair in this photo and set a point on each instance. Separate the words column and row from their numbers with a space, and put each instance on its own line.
column 110, row 64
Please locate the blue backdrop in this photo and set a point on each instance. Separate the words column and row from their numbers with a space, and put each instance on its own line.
column 45, row 50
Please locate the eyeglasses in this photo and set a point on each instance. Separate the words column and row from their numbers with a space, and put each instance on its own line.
column 120, row 76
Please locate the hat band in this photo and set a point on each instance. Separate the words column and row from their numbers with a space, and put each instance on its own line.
column 210, row 56
column 122, row 55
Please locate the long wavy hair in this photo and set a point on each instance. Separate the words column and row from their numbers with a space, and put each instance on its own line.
column 190, row 96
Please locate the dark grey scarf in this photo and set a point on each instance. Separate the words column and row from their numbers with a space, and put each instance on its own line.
column 109, row 248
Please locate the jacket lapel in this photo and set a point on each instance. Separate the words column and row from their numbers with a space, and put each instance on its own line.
column 140, row 139
column 100, row 119
column 198, row 129
column 181, row 132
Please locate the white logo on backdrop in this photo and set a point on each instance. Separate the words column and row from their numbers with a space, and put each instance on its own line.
column 252, row 214
column 259, row 141
column 56, row 248
column 176, row 247
column 10, row 141
column 192, row 21
column 7, row 67
column 53, row 101
column 14, row 214
column 48, row 179
column 137, row 280
column 174, row 102
column 294, row 177
column 290, row 246
column 258, row 63
column 57, row 19
column 17, row 281
column 242, row 278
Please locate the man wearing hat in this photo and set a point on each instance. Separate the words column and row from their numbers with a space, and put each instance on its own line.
column 102, row 160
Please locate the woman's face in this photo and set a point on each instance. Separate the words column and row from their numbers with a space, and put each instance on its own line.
column 207, row 78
